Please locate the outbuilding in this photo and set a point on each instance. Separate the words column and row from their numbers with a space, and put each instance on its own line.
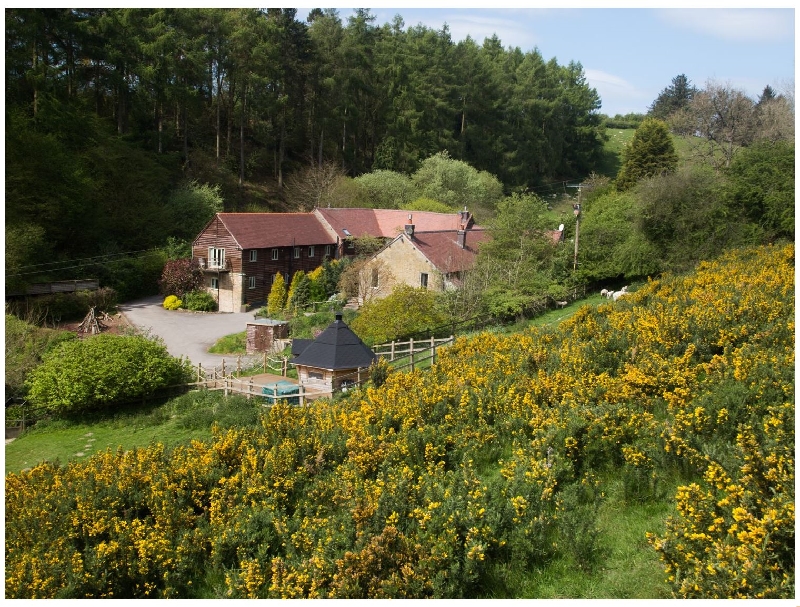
column 336, row 359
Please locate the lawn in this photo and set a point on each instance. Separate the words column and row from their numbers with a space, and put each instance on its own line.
column 170, row 423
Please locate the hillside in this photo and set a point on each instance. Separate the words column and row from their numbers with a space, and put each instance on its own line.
column 502, row 462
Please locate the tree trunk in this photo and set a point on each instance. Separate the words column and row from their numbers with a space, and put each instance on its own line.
column 218, row 126
column 241, row 139
column 160, row 122
column 281, row 147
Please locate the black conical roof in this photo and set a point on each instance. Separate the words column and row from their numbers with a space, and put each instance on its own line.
column 337, row 347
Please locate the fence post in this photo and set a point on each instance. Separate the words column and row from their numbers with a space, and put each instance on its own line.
column 284, row 366
column 275, row 394
column 302, row 393
column 199, row 371
column 250, row 388
column 223, row 368
column 391, row 358
column 411, row 351
column 225, row 385
column 238, row 366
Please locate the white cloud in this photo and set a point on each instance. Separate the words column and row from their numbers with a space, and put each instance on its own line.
column 510, row 32
column 734, row 24
column 617, row 95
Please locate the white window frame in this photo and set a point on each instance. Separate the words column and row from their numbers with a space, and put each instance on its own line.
column 297, row 252
column 251, row 282
column 215, row 284
column 423, row 280
column 216, row 258
column 328, row 250
column 274, row 254
column 311, row 250
column 253, row 255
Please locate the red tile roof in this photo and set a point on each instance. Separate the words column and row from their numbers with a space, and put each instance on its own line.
column 387, row 223
column 265, row 230
column 444, row 252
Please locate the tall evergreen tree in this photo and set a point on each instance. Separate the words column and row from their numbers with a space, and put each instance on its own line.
column 650, row 153
column 673, row 98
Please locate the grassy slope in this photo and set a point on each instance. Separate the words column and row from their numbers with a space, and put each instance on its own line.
column 78, row 440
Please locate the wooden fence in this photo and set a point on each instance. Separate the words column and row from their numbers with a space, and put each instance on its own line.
column 398, row 351
column 228, row 377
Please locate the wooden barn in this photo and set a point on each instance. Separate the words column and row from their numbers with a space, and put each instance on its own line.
column 334, row 360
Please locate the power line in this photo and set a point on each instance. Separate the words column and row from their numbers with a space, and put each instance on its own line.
column 49, row 263
column 81, row 265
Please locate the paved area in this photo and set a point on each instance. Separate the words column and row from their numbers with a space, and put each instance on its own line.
column 185, row 333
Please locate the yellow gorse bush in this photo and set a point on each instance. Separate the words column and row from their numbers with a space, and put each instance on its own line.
column 494, row 456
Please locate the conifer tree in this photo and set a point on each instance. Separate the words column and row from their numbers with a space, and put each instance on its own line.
column 277, row 295
column 650, row 153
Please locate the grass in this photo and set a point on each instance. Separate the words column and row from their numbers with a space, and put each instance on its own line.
column 235, row 343
column 611, row 156
column 627, row 568
column 170, row 423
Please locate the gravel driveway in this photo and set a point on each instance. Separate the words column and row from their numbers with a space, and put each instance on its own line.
column 185, row 333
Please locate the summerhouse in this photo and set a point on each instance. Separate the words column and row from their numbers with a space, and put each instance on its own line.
column 336, row 359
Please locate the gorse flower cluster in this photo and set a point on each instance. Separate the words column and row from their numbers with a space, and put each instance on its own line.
column 494, row 457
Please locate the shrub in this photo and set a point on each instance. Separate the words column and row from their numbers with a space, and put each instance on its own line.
column 52, row 309
column 180, row 276
column 172, row 303
column 91, row 373
column 26, row 344
column 406, row 312
column 199, row 301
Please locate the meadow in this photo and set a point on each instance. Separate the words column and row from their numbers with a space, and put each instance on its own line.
column 638, row 449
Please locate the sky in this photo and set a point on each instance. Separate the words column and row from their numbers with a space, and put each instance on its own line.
column 630, row 55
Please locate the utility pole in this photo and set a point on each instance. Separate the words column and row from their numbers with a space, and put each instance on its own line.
column 576, row 208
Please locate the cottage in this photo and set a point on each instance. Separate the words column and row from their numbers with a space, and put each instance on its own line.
column 434, row 260
column 431, row 260
column 334, row 359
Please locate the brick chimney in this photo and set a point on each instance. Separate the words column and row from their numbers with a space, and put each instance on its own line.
column 464, row 217
column 462, row 239
column 409, row 227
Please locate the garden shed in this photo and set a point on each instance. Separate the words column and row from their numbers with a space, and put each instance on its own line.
column 263, row 334
column 334, row 360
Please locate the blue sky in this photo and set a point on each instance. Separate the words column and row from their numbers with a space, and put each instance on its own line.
column 629, row 55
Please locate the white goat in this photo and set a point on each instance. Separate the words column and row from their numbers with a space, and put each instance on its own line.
column 561, row 304
column 604, row 292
